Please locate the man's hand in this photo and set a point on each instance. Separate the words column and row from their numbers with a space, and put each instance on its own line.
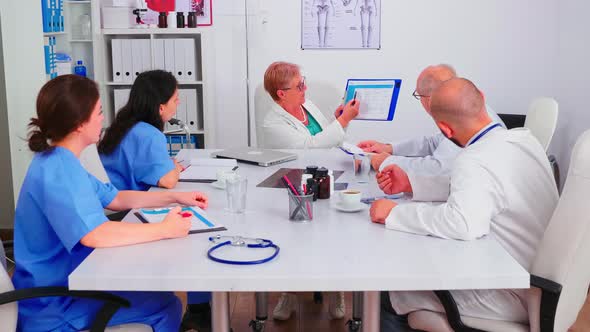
column 377, row 160
column 375, row 147
column 192, row 198
column 380, row 209
column 176, row 224
column 393, row 180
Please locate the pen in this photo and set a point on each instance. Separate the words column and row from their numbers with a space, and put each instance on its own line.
column 235, row 168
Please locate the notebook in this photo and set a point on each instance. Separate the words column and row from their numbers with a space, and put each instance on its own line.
column 205, row 169
column 200, row 222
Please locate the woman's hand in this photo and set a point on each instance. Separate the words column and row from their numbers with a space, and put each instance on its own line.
column 349, row 112
column 192, row 198
column 177, row 223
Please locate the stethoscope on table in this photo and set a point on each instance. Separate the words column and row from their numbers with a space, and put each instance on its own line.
column 238, row 241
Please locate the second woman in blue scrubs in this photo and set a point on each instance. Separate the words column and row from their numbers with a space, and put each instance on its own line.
column 59, row 217
column 135, row 156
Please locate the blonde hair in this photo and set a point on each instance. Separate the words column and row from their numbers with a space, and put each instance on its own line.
column 277, row 76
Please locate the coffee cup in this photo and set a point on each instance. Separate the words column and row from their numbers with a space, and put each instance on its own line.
column 350, row 198
column 223, row 175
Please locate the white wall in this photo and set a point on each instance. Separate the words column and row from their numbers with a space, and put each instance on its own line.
column 228, row 74
column 573, row 78
column 24, row 74
column 506, row 47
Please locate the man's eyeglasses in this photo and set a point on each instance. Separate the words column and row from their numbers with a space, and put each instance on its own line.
column 299, row 86
column 418, row 96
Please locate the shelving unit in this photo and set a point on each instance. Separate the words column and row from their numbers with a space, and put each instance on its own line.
column 201, row 120
column 95, row 50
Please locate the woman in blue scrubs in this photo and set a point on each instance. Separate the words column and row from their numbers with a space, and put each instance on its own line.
column 59, row 216
column 135, row 157
column 133, row 149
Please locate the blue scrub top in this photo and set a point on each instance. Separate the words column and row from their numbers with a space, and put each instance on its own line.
column 59, row 203
column 140, row 160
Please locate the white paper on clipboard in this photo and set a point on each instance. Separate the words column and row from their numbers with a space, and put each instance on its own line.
column 377, row 97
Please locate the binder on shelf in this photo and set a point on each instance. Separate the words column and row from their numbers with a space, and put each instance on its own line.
column 117, row 61
column 190, row 100
column 126, row 55
column 146, row 59
column 121, row 98
column 46, row 14
column 60, row 16
column 136, row 58
column 179, row 59
column 159, row 54
column 190, row 60
column 169, row 55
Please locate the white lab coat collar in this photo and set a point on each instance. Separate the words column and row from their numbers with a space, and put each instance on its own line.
column 492, row 123
column 293, row 121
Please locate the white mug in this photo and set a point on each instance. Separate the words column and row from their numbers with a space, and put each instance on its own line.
column 350, row 198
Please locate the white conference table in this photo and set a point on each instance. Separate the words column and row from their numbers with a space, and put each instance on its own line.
column 337, row 251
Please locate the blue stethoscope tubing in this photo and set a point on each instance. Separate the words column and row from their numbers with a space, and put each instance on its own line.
column 265, row 244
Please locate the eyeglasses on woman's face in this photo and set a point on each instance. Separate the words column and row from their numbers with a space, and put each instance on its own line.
column 300, row 86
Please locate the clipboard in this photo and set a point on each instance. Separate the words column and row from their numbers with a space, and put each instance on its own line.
column 198, row 223
column 378, row 97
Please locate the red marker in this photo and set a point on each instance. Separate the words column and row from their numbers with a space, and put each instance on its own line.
column 185, row 214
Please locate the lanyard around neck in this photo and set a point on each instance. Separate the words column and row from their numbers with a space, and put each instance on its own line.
column 483, row 133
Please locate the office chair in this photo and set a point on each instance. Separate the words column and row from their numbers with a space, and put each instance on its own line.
column 541, row 119
column 560, row 274
column 9, row 308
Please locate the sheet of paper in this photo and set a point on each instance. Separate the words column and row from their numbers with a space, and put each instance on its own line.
column 206, row 168
column 351, row 148
column 199, row 222
column 377, row 97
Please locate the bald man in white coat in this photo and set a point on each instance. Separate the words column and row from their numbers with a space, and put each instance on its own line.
column 501, row 185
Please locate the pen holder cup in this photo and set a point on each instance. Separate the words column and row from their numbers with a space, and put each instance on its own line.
column 300, row 207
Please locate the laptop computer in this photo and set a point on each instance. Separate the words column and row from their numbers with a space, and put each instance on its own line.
column 261, row 157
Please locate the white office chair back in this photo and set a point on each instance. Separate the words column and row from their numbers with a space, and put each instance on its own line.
column 91, row 162
column 565, row 250
column 541, row 119
column 262, row 105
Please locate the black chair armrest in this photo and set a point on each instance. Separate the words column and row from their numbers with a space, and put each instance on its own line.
column 112, row 303
column 550, row 292
column 446, row 299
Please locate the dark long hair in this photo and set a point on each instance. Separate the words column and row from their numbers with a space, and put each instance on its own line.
column 63, row 104
column 150, row 90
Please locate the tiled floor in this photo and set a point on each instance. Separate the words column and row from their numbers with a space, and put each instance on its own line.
column 309, row 316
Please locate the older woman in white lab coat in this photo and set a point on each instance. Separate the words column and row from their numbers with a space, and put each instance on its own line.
column 294, row 122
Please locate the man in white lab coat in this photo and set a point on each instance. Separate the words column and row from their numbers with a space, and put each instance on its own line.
column 429, row 154
column 501, row 185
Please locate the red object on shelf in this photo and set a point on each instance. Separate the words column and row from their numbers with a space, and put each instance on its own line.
column 161, row 5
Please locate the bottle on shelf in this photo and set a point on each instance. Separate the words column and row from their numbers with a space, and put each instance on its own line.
column 192, row 20
column 163, row 20
column 80, row 69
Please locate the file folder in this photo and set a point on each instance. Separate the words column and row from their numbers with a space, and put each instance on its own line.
column 179, row 59
column 169, row 55
column 159, row 54
column 117, row 61
column 190, row 60
column 126, row 55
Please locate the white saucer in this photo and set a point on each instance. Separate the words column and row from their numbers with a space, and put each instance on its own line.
column 218, row 185
column 361, row 206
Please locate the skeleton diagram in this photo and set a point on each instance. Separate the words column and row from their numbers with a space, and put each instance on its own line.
column 346, row 2
column 322, row 9
column 368, row 10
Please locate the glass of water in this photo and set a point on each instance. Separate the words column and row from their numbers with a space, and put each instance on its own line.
column 361, row 164
column 235, row 188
